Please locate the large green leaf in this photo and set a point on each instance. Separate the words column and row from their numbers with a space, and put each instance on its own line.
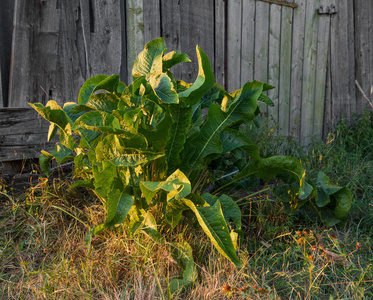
column 104, row 175
column 173, row 58
column 111, row 149
column 88, row 88
column 102, row 102
column 150, row 59
column 183, row 254
column 53, row 113
column 177, row 186
column 232, row 139
column 205, row 80
column 177, row 134
column 118, row 204
column 207, row 142
column 212, row 221
column 231, row 210
column 343, row 200
column 163, row 88
column 97, row 121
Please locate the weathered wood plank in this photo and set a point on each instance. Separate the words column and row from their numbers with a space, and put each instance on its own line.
column 170, row 30
column 274, row 44
column 309, row 70
column 6, row 31
column 45, row 62
column 323, row 38
column 343, row 85
column 135, row 32
column 363, row 49
column 105, row 42
column 248, row 41
column 297, row 56
column 261, row 45
column 285, row 70
column 220, row 42
column 23, row 134
column 196, row 28
column 152, row 20
column 234, row 44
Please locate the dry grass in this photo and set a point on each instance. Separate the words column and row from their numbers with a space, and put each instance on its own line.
column 44, row 256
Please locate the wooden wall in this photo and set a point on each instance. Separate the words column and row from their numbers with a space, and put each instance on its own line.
column 312, row 59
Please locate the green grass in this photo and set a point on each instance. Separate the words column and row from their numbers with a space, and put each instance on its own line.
column 43, row 254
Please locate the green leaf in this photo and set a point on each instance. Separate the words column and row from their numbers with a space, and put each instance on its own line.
column 173, row 58
column 62, row 154
column 52, row 131
column 183, row 254
column 231, row 210
column 211, row 220
column 118, row 204
column 111, row 149
column 102, row 102
column 205, row 80
column 177, row 186
column 232, row 139
column 104, row 175
column 265, row 99
column 97, row 121
column 177, row 134
column 163, row 88
column 150, row 59
column 324, row 182
column 207, row 142
column 289, row 168
column 88, row 88
column 343, row 199
column 53, row 113
column 44, row 160
column 87, row 183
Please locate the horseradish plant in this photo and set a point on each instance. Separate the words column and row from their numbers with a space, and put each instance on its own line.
column 147, row 144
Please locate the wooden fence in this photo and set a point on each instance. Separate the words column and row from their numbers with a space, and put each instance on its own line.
column 312, row 50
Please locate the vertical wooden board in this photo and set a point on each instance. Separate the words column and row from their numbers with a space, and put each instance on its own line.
column 321, row 66
column 309, row 71
column 285, row 70
column 6, row 31
column 135, row 32
column 170, row 29
column 152, row 20
column 297, row 57
column 1, row 93
column 105, row 37
column 274, row 59
column 220, row 42
column 234, row 29
column 248, row 41
column 196, row 28
column 342, row 83
column 261, row 45
column 363, row 49
column 34, row 60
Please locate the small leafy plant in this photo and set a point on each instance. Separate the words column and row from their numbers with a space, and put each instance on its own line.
column 148, row 145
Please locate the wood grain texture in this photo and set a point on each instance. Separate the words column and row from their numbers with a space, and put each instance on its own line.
column 248, row 41
column 196, row 28
column 274, row 45
column 170, row 29
column 220, row 42
column 152, row 20
column 23, row 134
column 297, row 57
column 261, row 45
column 6, row 32
column 323, row 40
column 309, row 71
column 234, row 44
column 342, row 68
column 285, row 71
